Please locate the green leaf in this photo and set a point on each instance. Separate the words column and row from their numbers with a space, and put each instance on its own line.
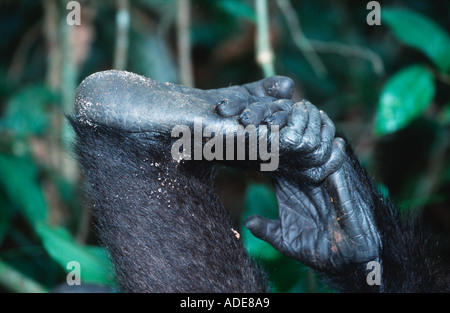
column 95, row 265
column 16, row 281
column 261, row 200
column 418, row 31
column 19, row 180
column 404, row 97
column 26, row 112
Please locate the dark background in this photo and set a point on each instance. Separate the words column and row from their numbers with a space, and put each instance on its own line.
column 44, row 214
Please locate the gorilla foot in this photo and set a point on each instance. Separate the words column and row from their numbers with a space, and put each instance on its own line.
column 307, row 135
column 134, row 103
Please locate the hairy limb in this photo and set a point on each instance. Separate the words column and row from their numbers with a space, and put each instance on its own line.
column 160, row 220
column 324, row 221
column 344, row 229
column 330, row 216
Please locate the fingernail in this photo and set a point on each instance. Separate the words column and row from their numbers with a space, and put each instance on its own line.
column 224, row 101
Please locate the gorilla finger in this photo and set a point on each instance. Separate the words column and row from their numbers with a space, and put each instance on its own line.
column 323, row 151
column 255, row 114
column 265, row 229
column 299, row 117
column 320, row 173
column 319, row 156
column 297, row 121
column 279, row 87
column 328, row 130
column 225, row 108
column 336, row 158
column 235, row 104
column 281, row 105
column 278, row 118
column 280, row 112
column 312, row 136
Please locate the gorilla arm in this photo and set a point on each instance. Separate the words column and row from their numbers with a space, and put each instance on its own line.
column 332, row 219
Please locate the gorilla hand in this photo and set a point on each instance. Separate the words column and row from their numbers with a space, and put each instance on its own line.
column 309, row 152
column 326, row 227
column 328, row 222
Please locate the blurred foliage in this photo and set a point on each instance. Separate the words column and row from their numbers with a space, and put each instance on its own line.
column 411, row 28
column 405, row 96
column 386, row 87
column 408, row 93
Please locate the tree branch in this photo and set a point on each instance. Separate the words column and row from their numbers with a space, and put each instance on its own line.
column 122, row 39
column 184, row 42
column 264, row 53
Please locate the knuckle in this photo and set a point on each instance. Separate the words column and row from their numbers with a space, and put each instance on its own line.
column 309, row 143
column 321, row 154
column 290, row 138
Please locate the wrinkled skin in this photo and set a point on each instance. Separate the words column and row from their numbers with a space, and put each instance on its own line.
column 137, row 104
column 328, row 223
column 308, row 147
column 321, row 231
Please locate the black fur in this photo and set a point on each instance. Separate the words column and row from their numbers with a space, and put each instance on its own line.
column 161, row 220
column 409, row 255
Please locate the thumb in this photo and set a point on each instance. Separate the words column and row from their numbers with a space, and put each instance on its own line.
column 265, row 229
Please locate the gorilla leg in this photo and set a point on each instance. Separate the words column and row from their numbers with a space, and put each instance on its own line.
column 161, row 220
